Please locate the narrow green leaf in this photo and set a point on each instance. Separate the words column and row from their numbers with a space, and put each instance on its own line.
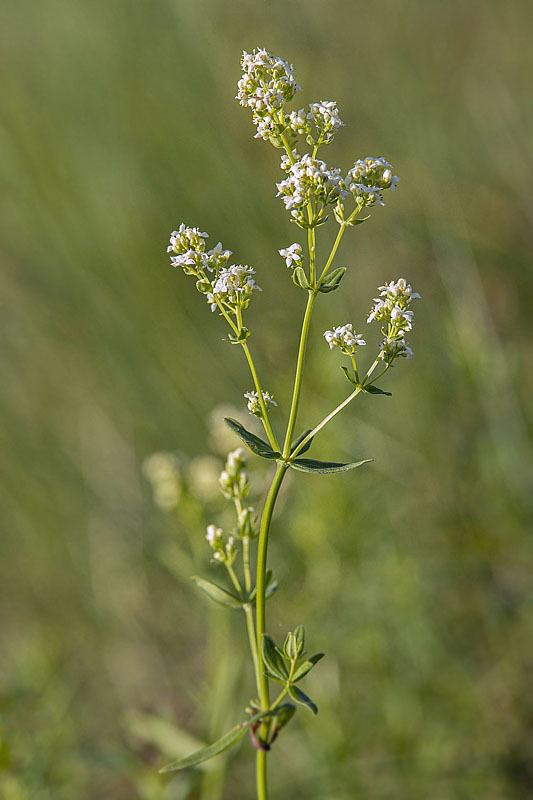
column 210, row 751
column 299, row 637
column 325, row 467
column 255, row 443
column 273, row 658
column 300, row 438
column 300, row 278
column 289, row 647
column 273, row 677
column 301, row 697
column 224, row 743
column 374, row 390
column 332, row 280
column 217, row 593
column 349, row 375
column 271, row 587
column 308, row 665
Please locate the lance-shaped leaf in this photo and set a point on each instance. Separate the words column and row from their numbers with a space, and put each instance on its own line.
column 300, row 438
column 301, row 697
column 273, row 658
column 374, row 390
column 349, row 375
column 332, row 280
column 300, row 278
column 325, row 467
column 224, row 743
column 308, row 665
column 271, row 586
column 217, row 593
column 255, row 443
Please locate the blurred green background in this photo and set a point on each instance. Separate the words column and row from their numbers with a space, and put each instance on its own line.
column 414, row 574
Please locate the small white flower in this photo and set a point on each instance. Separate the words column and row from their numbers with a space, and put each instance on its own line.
column 345, row 338
column 254, row 406
column 395, row 348
column 292, row 255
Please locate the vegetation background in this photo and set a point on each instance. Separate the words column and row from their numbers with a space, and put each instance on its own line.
column 414, row 575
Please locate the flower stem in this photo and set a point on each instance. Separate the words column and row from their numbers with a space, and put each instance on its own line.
column 298, row 377
column 334, row 413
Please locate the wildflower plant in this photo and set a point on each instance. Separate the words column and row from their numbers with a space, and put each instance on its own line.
column 314, row 194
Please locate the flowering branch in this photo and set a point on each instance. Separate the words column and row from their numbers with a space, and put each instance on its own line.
column 311, row 192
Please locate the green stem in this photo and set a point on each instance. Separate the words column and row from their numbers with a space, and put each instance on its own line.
column 253, row 643
column 333, row 413
column 264, row 411
column 298, row 377
column 336, row 244
column 261, row 577
column 246, row 563
column 261, row 775
column 234, row 579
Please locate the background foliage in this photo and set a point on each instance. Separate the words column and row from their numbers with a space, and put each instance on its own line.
column 117, row 122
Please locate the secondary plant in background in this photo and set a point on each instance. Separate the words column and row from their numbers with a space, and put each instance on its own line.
column 313, row 194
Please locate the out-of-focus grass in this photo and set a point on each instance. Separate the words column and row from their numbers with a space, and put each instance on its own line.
column 117, row 122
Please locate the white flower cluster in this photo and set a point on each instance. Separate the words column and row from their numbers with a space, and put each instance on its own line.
column 224, row 552
column 233, row 479
column 254, row 406
column 189, row 248
column 309, row 179
column 233, row 286
column 234, row 485
column 293, row 255
column 368, row 178
column 392, row 307
column 345, row 338
column 319, row 124
column 266, row 84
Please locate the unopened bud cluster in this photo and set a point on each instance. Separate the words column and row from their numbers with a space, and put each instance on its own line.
column 224, row 550
column 235, row 485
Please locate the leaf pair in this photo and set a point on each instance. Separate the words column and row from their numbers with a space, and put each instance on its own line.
column 228, row 599
column 263, row 449
column 365, row 387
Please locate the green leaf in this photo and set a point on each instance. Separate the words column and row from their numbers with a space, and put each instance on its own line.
column 374, row 390
column 299, row 636
column 271, row 587
column 273, row 658
column 289, row 647
column 301, row 697
column 304, row 668
column 300, row 438
column 224, row 743
column 358, row 221
column 349, row 375
column 300, row 278
column 256, row 445
column 332, row 280
column 273, row 677
column 325, row 467
column 285, row 714
column 217, row 593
